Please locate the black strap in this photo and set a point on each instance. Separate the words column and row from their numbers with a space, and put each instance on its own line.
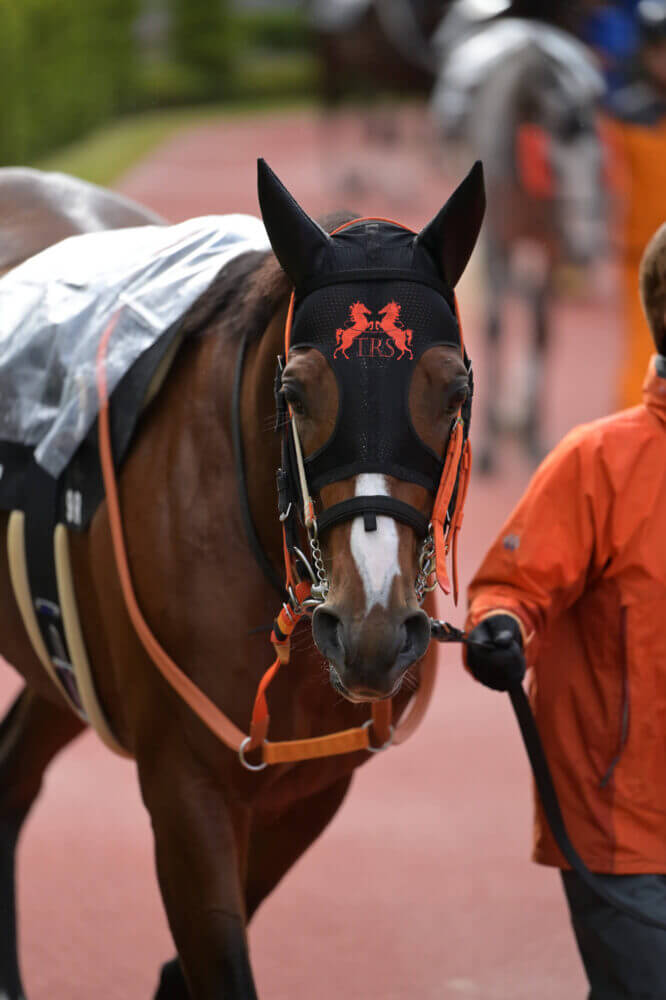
column 443, row 632
column 251, row 535
column 318, row 281
column 348, row 509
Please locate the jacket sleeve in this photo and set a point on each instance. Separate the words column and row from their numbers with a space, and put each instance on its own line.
column 541, row 560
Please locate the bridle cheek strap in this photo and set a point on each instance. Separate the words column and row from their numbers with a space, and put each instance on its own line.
column 457, row 468
column 440, row 511
column 457, row 519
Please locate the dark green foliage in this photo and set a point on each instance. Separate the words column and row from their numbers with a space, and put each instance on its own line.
column 278, row 30
column 200, row 39
column 65, row 65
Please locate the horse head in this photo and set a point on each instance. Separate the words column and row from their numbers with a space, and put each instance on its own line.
column 373, row 430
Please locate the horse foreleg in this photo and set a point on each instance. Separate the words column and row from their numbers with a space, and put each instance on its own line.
column 276, row 844
column 199, row 850
column 533, row 432
column 31, row 734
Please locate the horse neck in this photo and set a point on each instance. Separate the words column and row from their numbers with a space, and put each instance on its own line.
column 187, row 444
column 260, row 442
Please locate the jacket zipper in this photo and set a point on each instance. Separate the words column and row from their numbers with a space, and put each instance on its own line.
column 624, row 726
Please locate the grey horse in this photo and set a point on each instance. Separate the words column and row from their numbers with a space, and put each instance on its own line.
column 524, row 96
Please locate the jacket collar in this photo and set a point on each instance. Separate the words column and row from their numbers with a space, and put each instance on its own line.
column 654, row 391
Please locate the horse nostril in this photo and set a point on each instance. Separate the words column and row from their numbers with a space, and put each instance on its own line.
column 416, row 637
column 327, row 633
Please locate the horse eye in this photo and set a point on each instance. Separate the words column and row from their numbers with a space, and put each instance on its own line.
column 457, row 396
column 294, row 399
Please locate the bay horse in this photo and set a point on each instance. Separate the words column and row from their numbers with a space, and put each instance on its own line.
column 225, row 836
column 370, row 46
column 525, row 96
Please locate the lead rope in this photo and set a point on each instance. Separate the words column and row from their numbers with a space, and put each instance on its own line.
column 543, row 779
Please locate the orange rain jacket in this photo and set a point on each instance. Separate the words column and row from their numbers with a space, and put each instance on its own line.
column 581, row 562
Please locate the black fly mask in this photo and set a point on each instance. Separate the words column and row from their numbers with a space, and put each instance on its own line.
column 371, row 298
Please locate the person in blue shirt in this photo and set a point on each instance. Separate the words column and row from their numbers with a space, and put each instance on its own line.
column 612, row 30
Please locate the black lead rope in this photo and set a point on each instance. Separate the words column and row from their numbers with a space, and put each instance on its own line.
column 443, row 632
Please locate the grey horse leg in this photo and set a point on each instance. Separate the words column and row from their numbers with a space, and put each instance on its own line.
column 31, row 734
column 533, row 435
column 491, row 417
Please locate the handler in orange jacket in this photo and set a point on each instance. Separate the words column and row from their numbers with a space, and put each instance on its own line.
column 577, row 578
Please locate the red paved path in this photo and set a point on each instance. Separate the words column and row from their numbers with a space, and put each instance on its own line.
column 421, row 889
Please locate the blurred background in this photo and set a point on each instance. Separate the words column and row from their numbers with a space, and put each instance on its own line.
column 378, row 106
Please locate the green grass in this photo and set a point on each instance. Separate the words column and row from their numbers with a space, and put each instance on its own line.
column 106, row 153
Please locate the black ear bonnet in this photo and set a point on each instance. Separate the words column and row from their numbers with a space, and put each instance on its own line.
column 372, row 300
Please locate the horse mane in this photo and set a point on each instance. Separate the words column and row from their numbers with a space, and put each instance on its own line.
column 248, row 291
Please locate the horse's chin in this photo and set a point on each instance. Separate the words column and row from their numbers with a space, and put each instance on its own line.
column 359, row 697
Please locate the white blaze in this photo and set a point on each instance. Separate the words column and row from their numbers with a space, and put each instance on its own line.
column 375, row 552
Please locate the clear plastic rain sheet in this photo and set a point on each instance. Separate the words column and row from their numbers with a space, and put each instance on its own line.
column 55, row 307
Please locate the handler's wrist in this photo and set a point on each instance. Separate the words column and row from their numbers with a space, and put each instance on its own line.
column 503, row 619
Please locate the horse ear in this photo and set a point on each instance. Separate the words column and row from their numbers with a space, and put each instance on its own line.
column 296, row 238
column 451, row 236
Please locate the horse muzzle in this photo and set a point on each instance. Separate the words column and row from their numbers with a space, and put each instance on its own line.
column 368, row 657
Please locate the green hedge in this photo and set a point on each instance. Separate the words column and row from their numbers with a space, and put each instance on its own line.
column 280, row 30
column 200, row 43
column 65, row 66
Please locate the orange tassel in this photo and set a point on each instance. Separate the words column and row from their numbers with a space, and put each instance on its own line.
column 442, row 501
column 457, row 519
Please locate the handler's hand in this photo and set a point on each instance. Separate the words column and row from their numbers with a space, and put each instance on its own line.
column 495, row 652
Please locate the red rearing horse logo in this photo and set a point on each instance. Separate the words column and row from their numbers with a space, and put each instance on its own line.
column 392, row 326
column 358, row 324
